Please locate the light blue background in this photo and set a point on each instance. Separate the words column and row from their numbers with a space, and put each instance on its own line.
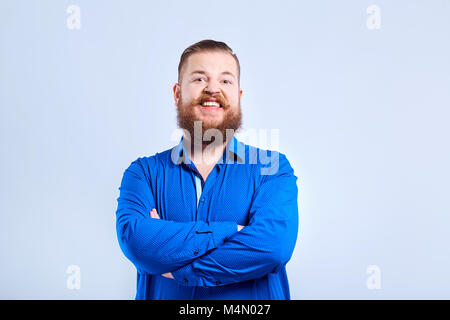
column 363, row 118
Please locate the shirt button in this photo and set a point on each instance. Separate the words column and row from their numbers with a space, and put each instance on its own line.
column 202, row 199
column 196, row 252
column 218, row 282
column 185, row 280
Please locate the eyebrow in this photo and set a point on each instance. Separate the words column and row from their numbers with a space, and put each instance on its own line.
column 203, row 72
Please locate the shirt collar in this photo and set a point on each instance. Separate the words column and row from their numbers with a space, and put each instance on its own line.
column 234, row 151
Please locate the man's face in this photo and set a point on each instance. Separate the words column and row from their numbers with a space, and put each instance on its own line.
column 209, row 76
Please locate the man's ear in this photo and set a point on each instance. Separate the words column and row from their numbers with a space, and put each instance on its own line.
column 240, row 93
column 176, row 93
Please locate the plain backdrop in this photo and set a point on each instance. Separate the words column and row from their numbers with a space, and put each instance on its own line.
column 362, row 113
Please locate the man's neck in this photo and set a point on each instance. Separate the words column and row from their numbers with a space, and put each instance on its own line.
column 204, row 154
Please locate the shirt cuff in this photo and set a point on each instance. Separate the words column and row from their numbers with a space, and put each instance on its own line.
column 185, row 276
column 222, row 230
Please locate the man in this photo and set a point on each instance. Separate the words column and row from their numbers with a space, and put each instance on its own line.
column 211, row 218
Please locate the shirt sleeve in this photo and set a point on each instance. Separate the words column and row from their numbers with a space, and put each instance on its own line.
column 262, row 247
column 157, row 246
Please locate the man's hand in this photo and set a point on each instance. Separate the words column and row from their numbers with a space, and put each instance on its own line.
column 154, row 214
column 168, row 275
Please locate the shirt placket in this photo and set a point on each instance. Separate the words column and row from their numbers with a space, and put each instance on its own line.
column 203, row 191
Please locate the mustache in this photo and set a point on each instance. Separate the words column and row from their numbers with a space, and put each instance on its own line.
column 205, row 97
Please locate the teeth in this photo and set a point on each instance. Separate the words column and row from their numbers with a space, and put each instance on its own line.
column 211, row 104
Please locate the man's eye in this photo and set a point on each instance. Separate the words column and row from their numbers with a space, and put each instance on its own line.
column 227, row 81
column 199, row 79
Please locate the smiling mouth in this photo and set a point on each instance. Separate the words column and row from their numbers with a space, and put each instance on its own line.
column 211, row 104
column 210, row 109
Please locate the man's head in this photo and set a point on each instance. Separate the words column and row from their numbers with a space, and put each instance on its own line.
column 208, row 70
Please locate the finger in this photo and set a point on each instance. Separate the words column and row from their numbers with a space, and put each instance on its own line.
column 154, row 214
column 168, row 275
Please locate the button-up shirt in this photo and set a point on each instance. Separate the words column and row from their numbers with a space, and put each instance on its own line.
column 196, row 237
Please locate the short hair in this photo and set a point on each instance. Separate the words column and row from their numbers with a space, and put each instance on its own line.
column 205, row 46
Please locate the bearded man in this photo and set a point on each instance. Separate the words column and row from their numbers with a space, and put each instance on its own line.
column 211, row 218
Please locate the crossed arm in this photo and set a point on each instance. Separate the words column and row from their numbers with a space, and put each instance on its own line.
column 221, row 256
column 154, row 214
column 156, row 246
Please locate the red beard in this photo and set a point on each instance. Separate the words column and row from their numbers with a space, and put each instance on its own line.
column 186, row 117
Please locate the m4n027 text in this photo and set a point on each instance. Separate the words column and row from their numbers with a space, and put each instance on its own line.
column 246, row 309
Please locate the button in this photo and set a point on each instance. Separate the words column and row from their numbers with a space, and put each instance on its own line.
column 196, row 252
column 185, row 280
column 218, row 282
column 202, row 199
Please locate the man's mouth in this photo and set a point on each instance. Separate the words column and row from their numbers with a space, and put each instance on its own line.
column 211, row 104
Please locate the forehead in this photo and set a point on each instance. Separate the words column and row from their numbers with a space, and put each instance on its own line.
column 213, row 62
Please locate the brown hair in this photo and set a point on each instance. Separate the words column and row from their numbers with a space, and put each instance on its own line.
column 207, row 45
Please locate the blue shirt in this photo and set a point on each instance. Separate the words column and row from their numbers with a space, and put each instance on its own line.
column 196, row 238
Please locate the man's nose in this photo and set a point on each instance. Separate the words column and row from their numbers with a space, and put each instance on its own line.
column 212, row 89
